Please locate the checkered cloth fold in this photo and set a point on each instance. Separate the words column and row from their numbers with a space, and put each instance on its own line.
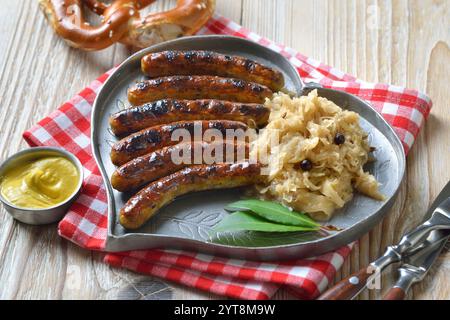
column 86, row 222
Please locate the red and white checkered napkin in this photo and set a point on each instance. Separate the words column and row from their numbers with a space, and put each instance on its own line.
column 86, row 222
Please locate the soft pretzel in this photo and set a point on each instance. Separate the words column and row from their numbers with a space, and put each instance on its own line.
column 122, row 22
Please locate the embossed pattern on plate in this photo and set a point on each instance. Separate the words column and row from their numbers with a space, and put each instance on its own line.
column 187, row 222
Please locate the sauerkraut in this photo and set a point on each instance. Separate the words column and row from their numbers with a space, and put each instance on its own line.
column 305, row 128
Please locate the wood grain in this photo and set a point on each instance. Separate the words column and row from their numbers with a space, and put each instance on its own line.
column 397, row 41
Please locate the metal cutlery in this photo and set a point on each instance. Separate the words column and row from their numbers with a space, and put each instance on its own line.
column 416, row 266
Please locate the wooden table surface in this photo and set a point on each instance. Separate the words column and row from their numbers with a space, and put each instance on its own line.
column 400, row 42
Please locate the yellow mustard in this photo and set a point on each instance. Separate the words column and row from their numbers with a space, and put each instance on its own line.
column 40, row 183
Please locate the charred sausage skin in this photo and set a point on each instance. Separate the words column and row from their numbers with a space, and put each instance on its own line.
column 157, row 137
column 157, row 194
column 167, row 160
column 172, row 62
column 197, row 87
column 169, row 110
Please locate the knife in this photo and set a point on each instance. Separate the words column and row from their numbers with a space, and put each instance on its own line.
column 436, row 218
column 416, row 266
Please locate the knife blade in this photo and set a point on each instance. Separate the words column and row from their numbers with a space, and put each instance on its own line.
column 351, row 286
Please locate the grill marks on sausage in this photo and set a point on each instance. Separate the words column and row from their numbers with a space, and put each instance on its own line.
column 238, row 83
column 170, row 55
column 157, row 137
column 159, row 163
column 198, row 87
column 249, row 65
column 158, row 108
column 180, row 82
column 192, row 56
column 169, row 110
column 159, row 193
column 200, row 62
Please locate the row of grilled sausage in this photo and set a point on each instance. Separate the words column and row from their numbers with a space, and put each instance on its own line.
column 185, row 88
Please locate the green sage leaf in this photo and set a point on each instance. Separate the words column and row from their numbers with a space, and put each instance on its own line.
column 274, row 212
column 244, row 221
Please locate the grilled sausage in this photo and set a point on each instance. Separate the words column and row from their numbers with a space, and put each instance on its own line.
column 157, row 194
column 166, row 111
column 167, row 160
column 157, row 137
column 169, row 63
column 197, row 87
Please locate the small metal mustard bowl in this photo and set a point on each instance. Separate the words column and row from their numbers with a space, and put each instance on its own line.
column 37, row 216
